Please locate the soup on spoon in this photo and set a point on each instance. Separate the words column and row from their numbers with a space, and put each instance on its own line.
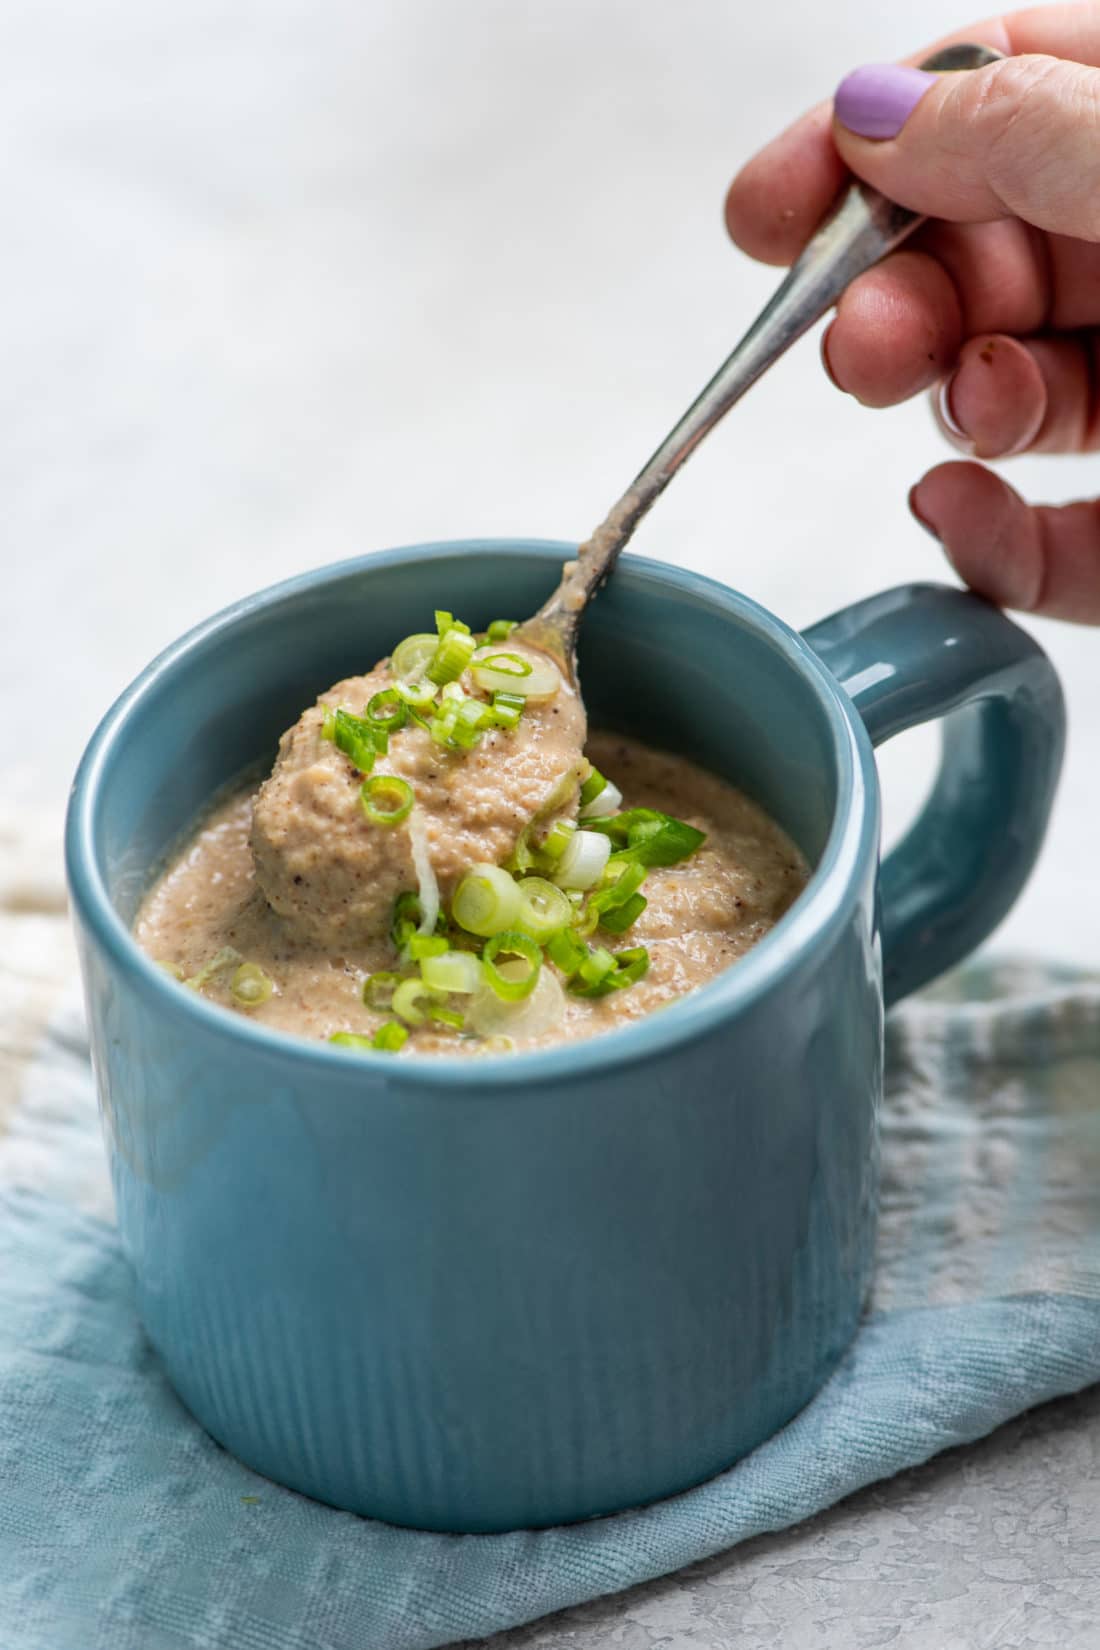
column 437, row 863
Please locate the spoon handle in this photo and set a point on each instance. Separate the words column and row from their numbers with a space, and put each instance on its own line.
column 861, row 228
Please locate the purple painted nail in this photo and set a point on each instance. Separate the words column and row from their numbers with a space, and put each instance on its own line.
column 875, row 102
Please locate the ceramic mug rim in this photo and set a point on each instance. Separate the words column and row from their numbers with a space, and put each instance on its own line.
column 828, row 899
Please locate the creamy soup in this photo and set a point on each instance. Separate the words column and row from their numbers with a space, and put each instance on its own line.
column 441, row 862
column 701, row 916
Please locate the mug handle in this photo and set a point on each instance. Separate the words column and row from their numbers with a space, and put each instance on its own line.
column 924, row 651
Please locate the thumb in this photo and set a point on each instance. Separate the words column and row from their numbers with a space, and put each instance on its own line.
column 1018, row 138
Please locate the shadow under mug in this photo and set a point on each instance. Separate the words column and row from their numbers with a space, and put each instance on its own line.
column 489, row 1293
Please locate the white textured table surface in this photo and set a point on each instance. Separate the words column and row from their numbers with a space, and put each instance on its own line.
column 290, row 280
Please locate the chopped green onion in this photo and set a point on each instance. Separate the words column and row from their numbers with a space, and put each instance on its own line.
column 511, row 987
column 442, row 728
column 417, row 695
column 535, row 675
column 543, row 908
column 530, row 1016
column 618, row 904
column 500, row 630
column 225, row 958
column 498, row 1044
column 608, row 800
column 355, row 738
column 250, row 985
column 420, row 946
column 378, row 990
column 651, row 837
column 486, row 901
column 626, row 877
column 630, row 965
column 387, row 711
column 386, row 799
column 566, row 952
column 621, row 917
column 408, row 914
column 455, row 650
column 557, row 839
column 593, row 785
column 458, row 971
column 584, row 860
column 604, row 971
column 471, row 722
column 512, row 665
column 413, row 1001
column 349, row 1039
column 410, row 659
column 447, row 1017
column 523, row 857
column 390, row 1037
column 507, row 709
column 447, row 621
column 171, row 968
column 328, row 723
column 598, row 966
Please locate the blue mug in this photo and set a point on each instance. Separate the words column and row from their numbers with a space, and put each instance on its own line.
column 474, row 1295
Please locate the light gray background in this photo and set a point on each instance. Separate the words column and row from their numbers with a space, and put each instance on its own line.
column 285, row 281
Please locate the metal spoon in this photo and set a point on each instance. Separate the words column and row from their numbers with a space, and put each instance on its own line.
column 862, row 227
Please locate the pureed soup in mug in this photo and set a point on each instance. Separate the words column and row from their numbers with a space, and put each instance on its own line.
column 441, row 862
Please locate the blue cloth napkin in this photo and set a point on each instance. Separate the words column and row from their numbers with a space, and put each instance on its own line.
column 124, row 1527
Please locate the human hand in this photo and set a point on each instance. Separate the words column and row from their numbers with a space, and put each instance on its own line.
column 997, row 301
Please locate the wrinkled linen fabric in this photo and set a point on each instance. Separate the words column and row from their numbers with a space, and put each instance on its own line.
column 123, row 1526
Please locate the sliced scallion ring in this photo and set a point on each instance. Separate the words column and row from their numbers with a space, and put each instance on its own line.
column 386, row 799
column 411, row 658
column 566, row 952
column 350, row 1039
column 624, row 916
column 356, row 738
column 515, row 982
column 250, row 985
column 507, row 709
column 417, row 695
column 453, row 654
column 500, row 630
column 445, row 621
column 543, row 909
column 608, row 800
column 603, row 971
column 486, row 901
column 387, row 710
column 592, row 786
column 492, row 1017
column 413, row 1001
column 557, row 839
column 420, row 946
column 458, row 971
column 447, row 1017
column 378, row 990
column 390, row 1038
column 533, row 675
column 584, row 860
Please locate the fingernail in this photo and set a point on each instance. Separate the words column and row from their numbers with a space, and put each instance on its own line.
column 915, row 511
column 825, row 362
column 945, row 413
column 876, row 101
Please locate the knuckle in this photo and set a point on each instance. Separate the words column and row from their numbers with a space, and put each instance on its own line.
column 1030, row 123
